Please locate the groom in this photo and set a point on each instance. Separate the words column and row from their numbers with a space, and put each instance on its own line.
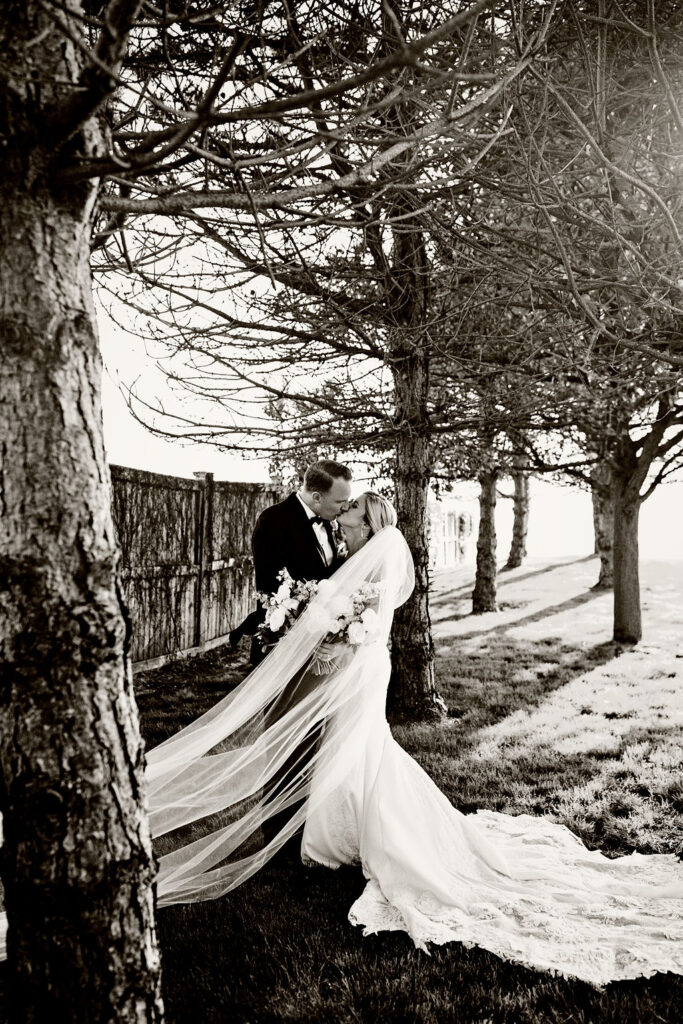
column 297, row 535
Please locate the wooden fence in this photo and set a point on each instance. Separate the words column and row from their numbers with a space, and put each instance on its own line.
column 186, row 558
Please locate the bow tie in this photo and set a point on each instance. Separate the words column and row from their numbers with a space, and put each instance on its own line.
column 319, row 519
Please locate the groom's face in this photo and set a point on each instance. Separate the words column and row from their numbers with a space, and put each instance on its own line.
column 336, row 500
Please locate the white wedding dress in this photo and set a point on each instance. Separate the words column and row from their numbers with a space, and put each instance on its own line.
column 289, row 749
column 522, row 887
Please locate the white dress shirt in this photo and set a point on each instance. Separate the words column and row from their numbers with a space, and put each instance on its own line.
column 320, row 533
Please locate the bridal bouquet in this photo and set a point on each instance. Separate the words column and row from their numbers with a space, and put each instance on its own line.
column 283, row 607
column 348, row 621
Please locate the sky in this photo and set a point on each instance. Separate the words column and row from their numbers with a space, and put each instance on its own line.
column 560, row 519
column 128, row 443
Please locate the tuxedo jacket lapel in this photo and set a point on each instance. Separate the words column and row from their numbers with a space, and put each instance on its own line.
column 284, row 538
column 329, row 530
column 305, row 527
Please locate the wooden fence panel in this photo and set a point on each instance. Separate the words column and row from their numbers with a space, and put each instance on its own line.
column 186, row 565
column 228, row 596
column 161, row 603
column 156, row 517
column 236, row 507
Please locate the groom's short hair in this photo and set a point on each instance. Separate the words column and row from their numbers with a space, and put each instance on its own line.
column 321, row 475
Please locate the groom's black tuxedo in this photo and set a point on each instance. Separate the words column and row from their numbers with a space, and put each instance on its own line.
column 284, row 538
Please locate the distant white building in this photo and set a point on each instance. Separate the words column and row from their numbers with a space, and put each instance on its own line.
column 452, row 541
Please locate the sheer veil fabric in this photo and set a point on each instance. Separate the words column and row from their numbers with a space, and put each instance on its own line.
column 290, row 748
column 251, row 758
column 215, row 786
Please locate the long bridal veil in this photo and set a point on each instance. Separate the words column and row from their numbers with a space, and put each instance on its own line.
column 226, row 792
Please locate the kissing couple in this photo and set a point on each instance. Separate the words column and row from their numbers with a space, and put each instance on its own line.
column 293, row 755
column 310, row 534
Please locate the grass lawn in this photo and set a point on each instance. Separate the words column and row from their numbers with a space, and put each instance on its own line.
column 547, row 720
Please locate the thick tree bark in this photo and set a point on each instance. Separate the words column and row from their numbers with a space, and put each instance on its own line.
column 484, row 594
column 77, row 863
column 603, row 523
column 520, row 525
column 631, row 462
column 628, row 626
column 412, row 693
column 407, row 281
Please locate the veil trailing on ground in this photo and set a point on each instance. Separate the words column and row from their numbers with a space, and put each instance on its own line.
column 229, row 790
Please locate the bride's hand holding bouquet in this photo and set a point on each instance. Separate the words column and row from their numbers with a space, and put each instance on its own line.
column 346, row 621
column 349, row 622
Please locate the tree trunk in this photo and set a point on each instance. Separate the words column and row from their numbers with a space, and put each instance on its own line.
column 603, row 523
column 484, row 594
column 627, row 616
column 632, row 461
column 77, row 863
column 412, row 693
column 520, row 524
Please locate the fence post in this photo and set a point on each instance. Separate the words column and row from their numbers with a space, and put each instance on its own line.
column 205, row 549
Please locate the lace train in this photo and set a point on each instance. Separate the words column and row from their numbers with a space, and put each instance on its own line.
column 591, row 918
column 522, row 887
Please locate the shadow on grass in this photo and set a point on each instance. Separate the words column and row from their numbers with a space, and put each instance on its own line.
column 505, row 674
column 543, row 613
column 172, row 696
column 502, row 581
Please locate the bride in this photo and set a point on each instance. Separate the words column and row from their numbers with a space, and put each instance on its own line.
column 311, row 748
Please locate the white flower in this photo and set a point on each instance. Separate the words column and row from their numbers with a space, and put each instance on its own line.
column 320, row 619
column 356, row 633
column 276, row 619
column 341, row 606
column 283, row 591
column 370, row 620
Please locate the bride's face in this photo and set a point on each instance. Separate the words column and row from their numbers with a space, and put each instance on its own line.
column 355, row 514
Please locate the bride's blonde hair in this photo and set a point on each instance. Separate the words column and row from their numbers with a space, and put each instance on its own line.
column 378, row 512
